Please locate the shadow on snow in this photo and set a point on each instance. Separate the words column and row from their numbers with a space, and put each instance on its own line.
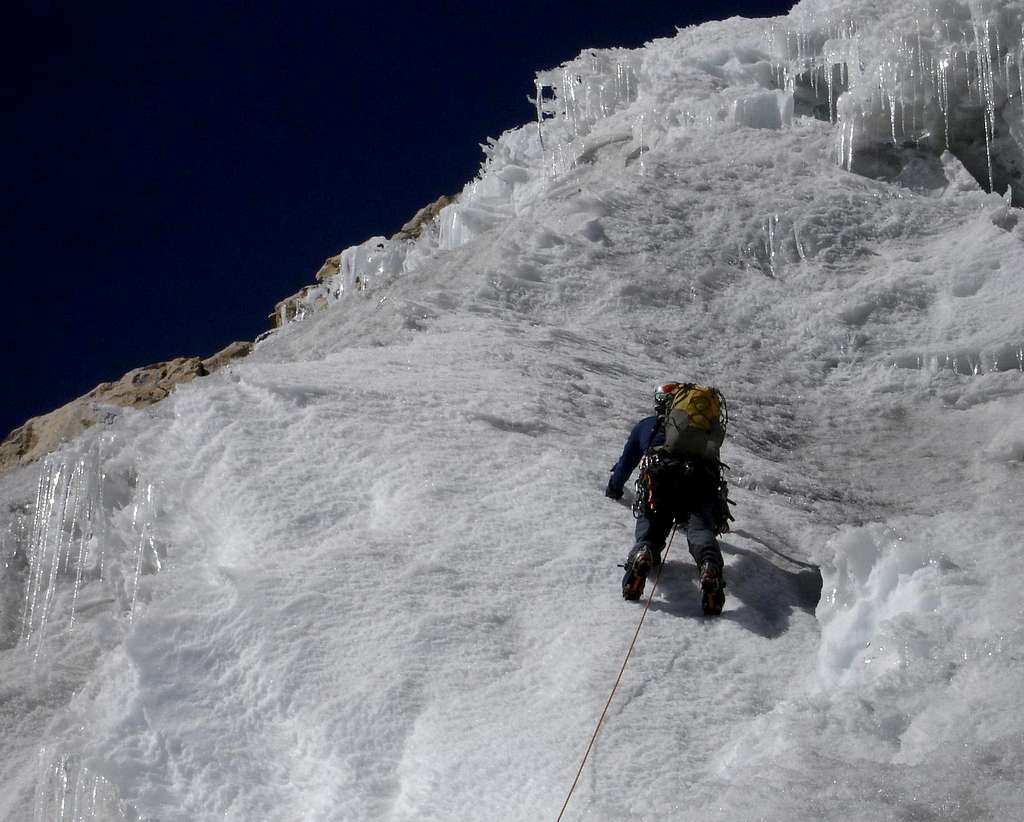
column 766, row 593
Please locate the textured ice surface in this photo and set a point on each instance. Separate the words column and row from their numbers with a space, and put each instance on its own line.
column 368, row 572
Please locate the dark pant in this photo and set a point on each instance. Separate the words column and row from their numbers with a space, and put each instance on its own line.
column 652, row 529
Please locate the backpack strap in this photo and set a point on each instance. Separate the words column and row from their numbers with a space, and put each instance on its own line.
column 659, row 426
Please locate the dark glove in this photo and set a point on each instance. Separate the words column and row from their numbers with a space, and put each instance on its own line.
column 612, row 492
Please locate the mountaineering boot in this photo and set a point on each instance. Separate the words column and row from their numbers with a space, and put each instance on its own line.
column 638, row 566
column 712, row 589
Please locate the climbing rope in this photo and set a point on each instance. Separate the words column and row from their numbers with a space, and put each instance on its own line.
column 618, row 679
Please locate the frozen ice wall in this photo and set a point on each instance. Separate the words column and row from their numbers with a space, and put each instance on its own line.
column 68, row 791
column 369, row 573
column 905, row 85
column 87, row 538
column 78, row 551
column 911, row 92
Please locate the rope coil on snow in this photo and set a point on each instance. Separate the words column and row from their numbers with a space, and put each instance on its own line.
column 618, row 679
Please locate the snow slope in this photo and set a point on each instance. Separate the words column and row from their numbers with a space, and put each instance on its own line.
column 368, row 573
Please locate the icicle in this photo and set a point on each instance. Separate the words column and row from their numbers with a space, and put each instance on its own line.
column 831, row 97
column 540, row 113
column 920, row 50
column 640, row 126
column 769, row 241
column 890, row 97
column 1020, row 67
column 988, row 83
column 799, row 245
column 76, row 508
column 849, row 146
column 46, row 496
column 993, row 58
column 944, row 98
column 140, row 550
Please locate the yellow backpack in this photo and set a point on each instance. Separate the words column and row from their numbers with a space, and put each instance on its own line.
column 695, row 423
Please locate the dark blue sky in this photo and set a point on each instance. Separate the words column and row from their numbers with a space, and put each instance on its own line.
column 173, row 169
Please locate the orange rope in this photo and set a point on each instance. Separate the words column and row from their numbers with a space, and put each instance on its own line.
column 618, row 679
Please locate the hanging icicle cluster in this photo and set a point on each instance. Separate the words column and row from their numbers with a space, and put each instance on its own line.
column 80, row 534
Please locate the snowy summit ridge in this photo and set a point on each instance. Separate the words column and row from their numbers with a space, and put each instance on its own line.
column 368, row 572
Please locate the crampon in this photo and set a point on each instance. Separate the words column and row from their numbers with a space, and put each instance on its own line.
column 712, row 590
column 638, row 566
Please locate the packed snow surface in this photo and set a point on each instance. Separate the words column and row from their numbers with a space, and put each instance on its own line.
column 369, row 573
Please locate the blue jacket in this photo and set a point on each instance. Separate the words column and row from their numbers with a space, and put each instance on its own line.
column 645, row 434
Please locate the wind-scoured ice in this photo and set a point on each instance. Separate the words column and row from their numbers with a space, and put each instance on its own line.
column 369, row 573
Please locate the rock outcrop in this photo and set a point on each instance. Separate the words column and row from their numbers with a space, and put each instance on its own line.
column 150, row 384
column 136, row 389
column 330, row 268
column 426, row 215
column 306, row 297
column 235, row 351
column 314, row 297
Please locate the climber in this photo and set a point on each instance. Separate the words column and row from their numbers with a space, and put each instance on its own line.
column 680, row 482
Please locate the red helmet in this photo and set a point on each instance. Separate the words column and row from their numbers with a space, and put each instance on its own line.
column 663, row 397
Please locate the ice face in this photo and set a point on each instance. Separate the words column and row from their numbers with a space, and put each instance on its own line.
column 901, row 90
column 947, row 78
column 369, row 573
column 83, row 536
column 68, row 791
column 576, row 95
